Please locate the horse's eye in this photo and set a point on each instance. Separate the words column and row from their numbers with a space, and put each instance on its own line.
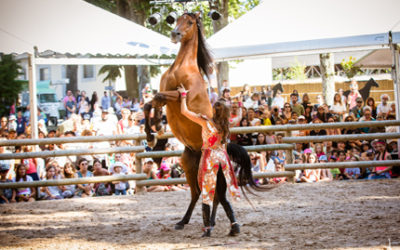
column 190, row 22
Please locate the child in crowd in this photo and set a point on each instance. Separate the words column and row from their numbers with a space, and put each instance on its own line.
column 352, row 173
column 120, row 186
column 51, row 192
column 23, row 194
column 5, row 194
column 69, row 172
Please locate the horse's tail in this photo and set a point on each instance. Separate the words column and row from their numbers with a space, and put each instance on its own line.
column 240, row 156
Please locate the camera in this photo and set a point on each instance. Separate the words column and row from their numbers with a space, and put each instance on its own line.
column 275, row 109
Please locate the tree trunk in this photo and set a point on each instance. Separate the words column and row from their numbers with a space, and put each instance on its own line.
column 133, row 10
column 72, row 75
column 131, row 81
column 328, row 77
column 222, row 67
column 144, row 77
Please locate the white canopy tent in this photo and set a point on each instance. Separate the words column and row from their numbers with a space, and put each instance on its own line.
column 78, row 33
column 290, row 27
column 278, row 28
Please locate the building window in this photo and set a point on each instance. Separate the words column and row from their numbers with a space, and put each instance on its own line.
column 88, row 71
column 44, row 74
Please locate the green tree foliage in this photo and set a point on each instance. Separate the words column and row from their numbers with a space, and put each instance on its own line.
column 349, row 68
column 10, row 87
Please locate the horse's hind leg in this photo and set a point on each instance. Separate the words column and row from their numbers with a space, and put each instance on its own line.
column 221, row 190
column 190, row 162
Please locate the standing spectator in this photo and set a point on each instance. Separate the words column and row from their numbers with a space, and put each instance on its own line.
column 3, row 125
column 105, row 101
column 83, row 96
column 278, row 100
column 67, row 97
column 306, row 101
column 342, row 96
column 105, row 126
column 338, row 108
column 354, row 94
column 12, row 123
column 213, row 96
column 383, row 108
column 23, row 194
column 118, row 106
column 21, row 123
column 70, row 106
column 83, row 105
column 296, row 107
column 94, row 102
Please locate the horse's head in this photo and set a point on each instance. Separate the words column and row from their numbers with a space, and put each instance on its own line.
column 186, row 27
column 373, row 83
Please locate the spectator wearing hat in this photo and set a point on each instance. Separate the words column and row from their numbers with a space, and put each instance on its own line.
column 105, row 126
column 12, row 123
column 326, row 174
column 120, row 186
column 5, row 194
column 357, row 110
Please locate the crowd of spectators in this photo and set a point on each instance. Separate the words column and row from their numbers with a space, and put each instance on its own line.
column 114, row 114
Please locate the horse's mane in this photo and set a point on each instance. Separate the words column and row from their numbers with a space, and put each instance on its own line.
column 204, row 57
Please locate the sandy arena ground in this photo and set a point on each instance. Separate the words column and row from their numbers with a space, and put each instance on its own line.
column 336, row 215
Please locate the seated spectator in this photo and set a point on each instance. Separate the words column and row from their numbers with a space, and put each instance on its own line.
column 51, row 192
column 165, row 173
column 244, row 139
column 5, row 194
column 68, row 191
column 326, row 174
column 381, row 154
column 310, row 175
column 334, row 171
column 149, row 170
column 278, row 168
column 101, row 189
column 23, row 194
column 120, row 186
column 84, row 190
column 352, row 173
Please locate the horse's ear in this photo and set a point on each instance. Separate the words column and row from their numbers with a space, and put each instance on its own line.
column 197, row 14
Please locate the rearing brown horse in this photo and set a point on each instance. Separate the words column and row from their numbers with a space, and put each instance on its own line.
column 193, row 60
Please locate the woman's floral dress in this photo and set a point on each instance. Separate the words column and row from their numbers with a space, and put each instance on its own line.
column 215, row 155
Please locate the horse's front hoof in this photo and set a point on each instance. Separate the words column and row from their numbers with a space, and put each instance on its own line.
column 179, row 226
column 235, row 229
column 207, row 233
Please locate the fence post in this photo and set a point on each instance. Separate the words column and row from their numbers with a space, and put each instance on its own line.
column 139, row 170
column 289, row 156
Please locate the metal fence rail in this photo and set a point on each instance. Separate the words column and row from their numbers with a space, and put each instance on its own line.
column 141, row 178
column 352, row 164
column 350, row 137
column 235, row 130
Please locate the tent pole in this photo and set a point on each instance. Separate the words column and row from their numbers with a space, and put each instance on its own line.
column 395, row 73
column 33, row 97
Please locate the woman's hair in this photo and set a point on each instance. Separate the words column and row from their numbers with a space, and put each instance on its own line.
column 242, row 120
column 221, row 119
column 50, row 167
column 81, row 160
column 334, row 99
column 373, row 102
column 69, row 164
column 95, row 161
column 258, row 142
column 17, row 176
